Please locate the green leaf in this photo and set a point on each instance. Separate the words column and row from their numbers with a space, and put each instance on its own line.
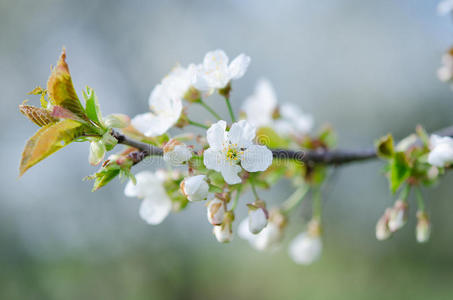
column 327, row 136
column 61, row 90
column 268, row 137
column 48, row 140
column 399, row 171
column 92, row 107
column 37, row 115
column 384, row 147
column 103, row 177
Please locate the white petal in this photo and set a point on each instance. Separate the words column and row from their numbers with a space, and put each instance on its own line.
column 152, row 125
column 216, row 211
column 261, row 106
column 214, row 159
column 441, row 151
column 242, row 134
column 196, row 188
column 256, row 158
column 268, row 239
column 445, row 7
column 239, row 66
column 146, row 184
column 216, row 135
column 131, row 189
column 230, row 173
column 305, row 249
column 243, row 230
column 301, row 122
column 215, row 69
column 257, row 220
column 155, row 208
column 223, row 233
column 179, row 155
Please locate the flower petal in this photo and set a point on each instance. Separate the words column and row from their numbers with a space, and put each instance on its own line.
column 239, row 66
column 152, row 125
column 154, row 209
column 230, row 173
column 242, row 134
column 216, row 135
column 146, row 184
column 305, row 249
column 215, row 69
column 213, row 159
column 261, row 106
column 256, row 158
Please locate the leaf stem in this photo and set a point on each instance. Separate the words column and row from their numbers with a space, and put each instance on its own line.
column 295, row 199
column 209, row 109
column 230, row 109
column 193, row 123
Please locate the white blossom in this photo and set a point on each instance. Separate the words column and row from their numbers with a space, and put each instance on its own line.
column 423, row 228
column 382, row 227
column 305, row 248
column 216, row 211
column 257, row 220
column 445, row 7
column 229, row 149
column 441, row 152
column 267, row 239
column 223, row 233
column 165, row 103
column 261, row 105
column 195, row 188
column 156, row 204
column 293, row 120
column 176, row 153
column 216, row 73
column 445, row 72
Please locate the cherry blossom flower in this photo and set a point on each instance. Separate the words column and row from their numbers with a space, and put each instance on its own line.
column 445, row 7
column 305, row 248
column 165, row 103
column 216, row 73
column 262, row 110
column 216, row 211
column 176, row 153
column 229, row 150
column 195, row 188
column 441, row 152
column 156, row 204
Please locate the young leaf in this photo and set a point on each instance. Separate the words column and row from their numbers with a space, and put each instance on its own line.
column 37, row 115
column 48, row 140
column 61, row 90
column 384, row 147
column 92, row 106
column 399, row 171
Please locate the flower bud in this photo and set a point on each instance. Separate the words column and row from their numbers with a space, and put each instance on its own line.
column 216, row 211
column 258, row 216
column 398, row 215
column 224, row 232
column 192, row 95
column 97, row 152
column 423, row 228
column 307, row 246
column 109, row 141
column 382, row 227
column 195, row 188
column 117, row 121
column 176, row 153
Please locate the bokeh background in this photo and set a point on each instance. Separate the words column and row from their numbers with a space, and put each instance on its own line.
column 366, row 67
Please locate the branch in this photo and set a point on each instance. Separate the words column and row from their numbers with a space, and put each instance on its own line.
column 327, row 157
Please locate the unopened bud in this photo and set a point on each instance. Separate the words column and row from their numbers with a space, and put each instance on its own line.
column 216, row 211
column 109, row 141
column 423, row 228
column 398, row 215
column 307, row 246
column 117, row 121
column 97, row 152
column 176, row 153
column 382, row 227
column 224, row 232
column 258, row 216
column 195, row 188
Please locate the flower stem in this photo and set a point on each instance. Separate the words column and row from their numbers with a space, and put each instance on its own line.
column 193, row 123
column 420, row 201
column 295, row 199
column 209, row 109
column 252, row 184
column 230, row 109
column 317, row 204
column 405, row 193
column 236, row 199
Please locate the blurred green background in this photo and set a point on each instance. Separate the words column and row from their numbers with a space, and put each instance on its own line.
column 366, row 67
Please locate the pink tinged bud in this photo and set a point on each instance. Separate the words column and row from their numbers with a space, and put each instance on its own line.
column 398, row 216
column 216, row 211
column 382, row 227
column 195, row 188
column 257, row 219
column 423, row 228
column 223, row 233
column 117, row 121
column 97, row 152
column 176, row 153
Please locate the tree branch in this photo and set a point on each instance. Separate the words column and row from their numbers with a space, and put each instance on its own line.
column 327, row 157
